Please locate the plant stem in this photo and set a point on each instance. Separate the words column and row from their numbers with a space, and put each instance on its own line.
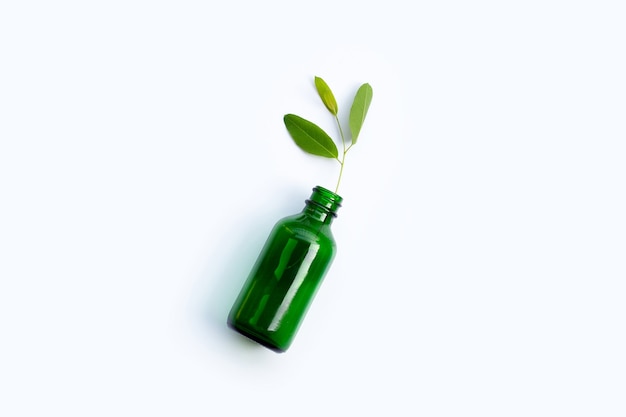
column 340, row 173
column 343, row 156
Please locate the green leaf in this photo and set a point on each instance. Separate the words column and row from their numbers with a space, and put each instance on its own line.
column 361, row 104
column 310, row 137
column 326, row 95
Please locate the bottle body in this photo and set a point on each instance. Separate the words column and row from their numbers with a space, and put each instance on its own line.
column 287, row 274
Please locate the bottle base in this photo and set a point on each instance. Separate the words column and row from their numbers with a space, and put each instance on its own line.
column 256, row 337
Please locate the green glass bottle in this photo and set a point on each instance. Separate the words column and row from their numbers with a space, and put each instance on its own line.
column 287, row 274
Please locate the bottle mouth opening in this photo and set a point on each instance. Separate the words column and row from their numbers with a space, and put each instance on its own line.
column 328, row 194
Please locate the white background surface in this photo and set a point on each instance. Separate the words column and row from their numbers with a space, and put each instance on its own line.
column 481, row 267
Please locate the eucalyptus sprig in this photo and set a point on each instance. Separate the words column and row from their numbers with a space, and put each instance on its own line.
column 314, row 140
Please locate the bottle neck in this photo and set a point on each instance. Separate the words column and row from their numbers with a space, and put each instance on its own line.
column 322, row 205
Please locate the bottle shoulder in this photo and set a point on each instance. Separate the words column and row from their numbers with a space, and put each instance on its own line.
column 301, row 227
